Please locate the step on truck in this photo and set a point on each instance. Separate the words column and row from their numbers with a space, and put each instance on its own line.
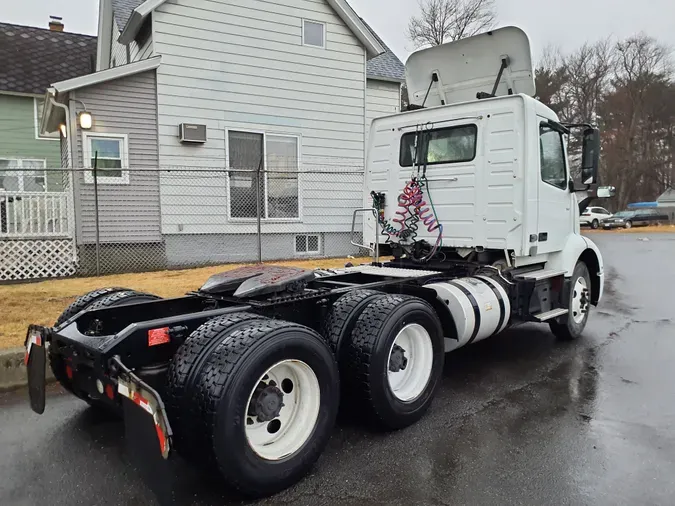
column 471, row 212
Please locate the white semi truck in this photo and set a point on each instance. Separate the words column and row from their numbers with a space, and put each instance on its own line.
column 471, row 195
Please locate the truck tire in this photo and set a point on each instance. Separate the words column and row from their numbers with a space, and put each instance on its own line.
column 396, row 358
column 338, row 325
column 81, row 303
column 571, row 326
column 105, row 297
column 183, row 374
column 269, row 399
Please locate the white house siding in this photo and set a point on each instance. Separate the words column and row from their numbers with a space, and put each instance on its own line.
column 129, row 213
column 118, row 52
column 383, row 99
column 243, row 67
column 141, row 53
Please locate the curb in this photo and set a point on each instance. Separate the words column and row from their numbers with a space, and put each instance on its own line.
column 13, row 370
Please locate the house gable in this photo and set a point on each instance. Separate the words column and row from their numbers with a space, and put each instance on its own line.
column 132, row 22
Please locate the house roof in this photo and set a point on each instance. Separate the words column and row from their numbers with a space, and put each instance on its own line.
column 123, row 9
column 387, row 66
column 32, row 58
column 107, row 75
column 134, row 19
column 668, row 196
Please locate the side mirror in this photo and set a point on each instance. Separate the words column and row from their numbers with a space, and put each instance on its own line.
column 590, row 158
column 605, row 192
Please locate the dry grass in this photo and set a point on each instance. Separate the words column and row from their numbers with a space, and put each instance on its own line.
column 653, row 229
column 41, row 303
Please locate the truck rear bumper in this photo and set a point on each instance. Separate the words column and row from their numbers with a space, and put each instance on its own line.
column 143, row 408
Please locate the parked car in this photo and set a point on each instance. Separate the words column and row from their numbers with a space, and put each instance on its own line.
column 636, row 218
column 594, row 216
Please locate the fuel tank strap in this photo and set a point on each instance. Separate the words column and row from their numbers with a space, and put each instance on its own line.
column 500, row 299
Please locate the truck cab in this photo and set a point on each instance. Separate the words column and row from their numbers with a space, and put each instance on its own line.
column 488, row 162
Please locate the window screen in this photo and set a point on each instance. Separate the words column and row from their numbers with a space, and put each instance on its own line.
column 313, row 34
column 282, row 176
column 443, row 145
column 246, row 154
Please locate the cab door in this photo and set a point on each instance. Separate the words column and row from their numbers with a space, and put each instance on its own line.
column 555, row 222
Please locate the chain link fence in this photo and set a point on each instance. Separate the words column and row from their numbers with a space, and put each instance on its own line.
column 112, row 220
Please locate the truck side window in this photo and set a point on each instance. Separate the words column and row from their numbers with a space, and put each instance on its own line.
column 443, row 145
column 553, row 170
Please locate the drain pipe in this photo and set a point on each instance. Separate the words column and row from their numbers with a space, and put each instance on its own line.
column 71, row 162
column 66, row 110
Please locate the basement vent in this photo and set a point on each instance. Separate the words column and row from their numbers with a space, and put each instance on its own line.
column 192, row 133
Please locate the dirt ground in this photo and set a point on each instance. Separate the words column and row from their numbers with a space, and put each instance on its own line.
column 654, row 229
column 41, row 303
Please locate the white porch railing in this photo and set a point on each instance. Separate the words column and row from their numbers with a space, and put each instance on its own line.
column 34, row 214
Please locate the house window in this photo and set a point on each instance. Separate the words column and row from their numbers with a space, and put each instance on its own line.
column 552, row 150
column 307, row 244
column 38, row 106
column 17, row 175
column 313, row 33
column 109, row 153
column 443, row 145
column 275, row 158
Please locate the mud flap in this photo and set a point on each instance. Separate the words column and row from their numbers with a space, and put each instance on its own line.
column 147, row 434
column 36, row 365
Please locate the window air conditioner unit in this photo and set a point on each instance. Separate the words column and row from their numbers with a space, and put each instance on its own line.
column 191, row 133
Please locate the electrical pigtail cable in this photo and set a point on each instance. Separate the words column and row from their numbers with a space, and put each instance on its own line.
column 412, row 206
column 387, row 229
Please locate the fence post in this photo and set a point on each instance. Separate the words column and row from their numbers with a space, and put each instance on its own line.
column 259, row 211
column 98, row 235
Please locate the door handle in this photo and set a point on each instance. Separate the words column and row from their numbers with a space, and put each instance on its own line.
column 450, row 179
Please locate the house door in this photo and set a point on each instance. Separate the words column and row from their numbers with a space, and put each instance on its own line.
column 555, row 200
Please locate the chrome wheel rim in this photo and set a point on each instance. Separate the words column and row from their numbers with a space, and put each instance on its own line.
column 580, row 300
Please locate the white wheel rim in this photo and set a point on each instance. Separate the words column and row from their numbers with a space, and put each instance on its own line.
column 286, row 433
column 580, row 300
column 408, row 383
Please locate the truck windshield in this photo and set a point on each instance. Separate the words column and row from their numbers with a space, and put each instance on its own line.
column 442, row 145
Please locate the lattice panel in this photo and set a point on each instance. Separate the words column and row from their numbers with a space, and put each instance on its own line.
column 36, row 259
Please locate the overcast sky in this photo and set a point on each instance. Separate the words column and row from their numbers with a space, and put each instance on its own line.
column 565, row 23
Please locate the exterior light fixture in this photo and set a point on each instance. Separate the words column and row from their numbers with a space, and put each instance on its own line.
column 63, row 130
column 85, row 120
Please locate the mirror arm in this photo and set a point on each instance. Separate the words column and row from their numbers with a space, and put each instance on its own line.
column 558, row 127
column 584, row 204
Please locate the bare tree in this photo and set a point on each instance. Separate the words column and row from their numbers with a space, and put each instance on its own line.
column 448, row 20
column 638, row 117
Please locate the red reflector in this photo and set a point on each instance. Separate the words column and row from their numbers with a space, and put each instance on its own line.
column 158, row 336
column 109, row 392
column 160, row 436
column 69, row 372
column 25, row 359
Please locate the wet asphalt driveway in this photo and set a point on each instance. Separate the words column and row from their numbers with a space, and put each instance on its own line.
column 519, row 419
